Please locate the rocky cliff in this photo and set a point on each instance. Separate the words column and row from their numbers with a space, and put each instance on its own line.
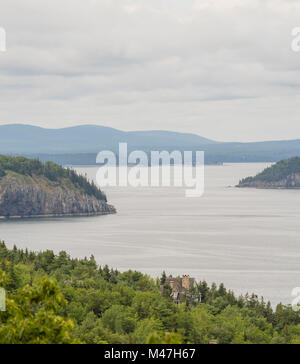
column 37, row 196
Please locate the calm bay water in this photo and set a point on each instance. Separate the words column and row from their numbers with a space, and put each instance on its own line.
column 248, row 239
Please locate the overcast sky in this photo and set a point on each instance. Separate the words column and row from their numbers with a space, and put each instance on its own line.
column 223, row 69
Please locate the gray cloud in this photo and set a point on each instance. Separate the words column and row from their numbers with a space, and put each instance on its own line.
column 220, row 68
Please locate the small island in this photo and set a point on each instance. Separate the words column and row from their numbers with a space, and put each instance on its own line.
column 282, row 175
column 30, row 188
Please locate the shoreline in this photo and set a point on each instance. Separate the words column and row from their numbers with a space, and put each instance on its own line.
column 86, row 214
column 270, row 188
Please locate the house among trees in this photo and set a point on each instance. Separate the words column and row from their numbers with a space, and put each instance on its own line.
column 178, row 286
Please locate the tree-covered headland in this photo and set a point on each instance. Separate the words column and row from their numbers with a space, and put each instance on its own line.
column 50, row 170
column 277, row 172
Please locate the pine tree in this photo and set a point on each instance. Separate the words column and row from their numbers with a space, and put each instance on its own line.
column 163, row 278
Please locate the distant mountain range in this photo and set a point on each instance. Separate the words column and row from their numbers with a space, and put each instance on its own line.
column 87, row 139
column 80, row 144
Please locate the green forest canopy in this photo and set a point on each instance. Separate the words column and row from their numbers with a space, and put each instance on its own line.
column 50, row 170
column 277, row 172
column 56, row 299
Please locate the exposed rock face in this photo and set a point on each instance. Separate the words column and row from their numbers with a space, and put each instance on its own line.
column 291, row 182
column 23, row 196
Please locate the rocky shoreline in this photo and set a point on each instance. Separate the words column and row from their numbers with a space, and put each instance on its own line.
column 57, row 215
column 292, row 182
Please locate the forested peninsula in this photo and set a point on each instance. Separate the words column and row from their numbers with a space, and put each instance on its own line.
column 282, row 175
column 30, row 188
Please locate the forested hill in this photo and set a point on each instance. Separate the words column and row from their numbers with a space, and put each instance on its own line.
column 50, row 170
column 284, row 174
column 54, row 299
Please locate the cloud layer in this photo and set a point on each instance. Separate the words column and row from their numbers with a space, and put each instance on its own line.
column 220, row 68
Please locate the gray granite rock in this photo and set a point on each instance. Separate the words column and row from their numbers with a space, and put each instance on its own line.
column 24, row 196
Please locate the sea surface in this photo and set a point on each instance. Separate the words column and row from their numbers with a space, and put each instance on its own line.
column 249, row 239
